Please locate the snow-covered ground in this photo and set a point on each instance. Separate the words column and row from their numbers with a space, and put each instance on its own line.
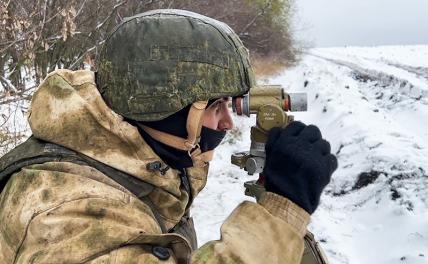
column 372, row 105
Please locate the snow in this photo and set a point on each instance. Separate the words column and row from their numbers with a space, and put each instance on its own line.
column 372, row 105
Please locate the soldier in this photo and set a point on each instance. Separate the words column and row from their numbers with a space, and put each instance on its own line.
column 117, row 157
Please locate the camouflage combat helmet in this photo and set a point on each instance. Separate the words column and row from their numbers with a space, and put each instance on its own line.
column 158, row 62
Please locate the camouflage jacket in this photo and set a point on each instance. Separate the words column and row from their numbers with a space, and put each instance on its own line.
column 63, row 212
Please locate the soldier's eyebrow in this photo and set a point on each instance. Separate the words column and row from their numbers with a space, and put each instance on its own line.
column 220, row 100
column 224, row 99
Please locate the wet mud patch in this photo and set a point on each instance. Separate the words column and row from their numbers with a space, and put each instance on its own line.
column 366, row 178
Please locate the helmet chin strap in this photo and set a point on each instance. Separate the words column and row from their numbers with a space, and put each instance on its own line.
column 191, row 144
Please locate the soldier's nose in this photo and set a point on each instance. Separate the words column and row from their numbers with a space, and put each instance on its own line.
column 226, row 122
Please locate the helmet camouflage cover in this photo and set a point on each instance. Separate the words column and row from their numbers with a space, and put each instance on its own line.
column 158, row 62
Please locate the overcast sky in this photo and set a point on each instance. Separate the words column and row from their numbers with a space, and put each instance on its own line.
column 327, row 23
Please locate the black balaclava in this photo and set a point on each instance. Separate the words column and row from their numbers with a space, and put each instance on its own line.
column 176, row 125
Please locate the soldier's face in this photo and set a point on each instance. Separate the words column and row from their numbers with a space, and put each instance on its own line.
column 218, row 116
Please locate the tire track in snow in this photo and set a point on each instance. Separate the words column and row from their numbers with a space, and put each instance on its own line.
column 418, row 71
column 383, row 79
column 392, row 96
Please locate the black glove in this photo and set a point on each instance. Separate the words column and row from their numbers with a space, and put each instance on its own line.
column 298, row 164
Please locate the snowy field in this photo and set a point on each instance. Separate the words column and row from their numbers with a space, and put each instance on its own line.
column 372, row 105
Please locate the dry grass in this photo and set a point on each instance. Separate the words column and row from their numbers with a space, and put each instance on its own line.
column 268, row 66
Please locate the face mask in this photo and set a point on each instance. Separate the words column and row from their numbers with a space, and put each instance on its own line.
column 177, row 159
column 210, row 138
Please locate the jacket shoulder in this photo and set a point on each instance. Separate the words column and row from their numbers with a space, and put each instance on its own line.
column 57, row 206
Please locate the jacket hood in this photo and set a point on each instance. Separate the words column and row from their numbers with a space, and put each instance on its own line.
column 67, row 109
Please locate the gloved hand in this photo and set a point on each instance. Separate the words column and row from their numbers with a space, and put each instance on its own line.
column 298, row 164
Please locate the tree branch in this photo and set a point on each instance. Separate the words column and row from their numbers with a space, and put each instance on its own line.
column 16, row 99
column 25, row 94
column 79, row 60
column 8, row 85
column 262, row 12
column 111, row 14
column 80, row 9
